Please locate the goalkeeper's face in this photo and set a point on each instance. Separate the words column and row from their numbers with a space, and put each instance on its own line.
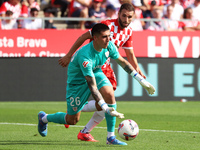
column 101, row 40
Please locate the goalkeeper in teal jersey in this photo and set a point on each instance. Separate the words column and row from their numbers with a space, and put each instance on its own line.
column 87, row 62
column 85, row 77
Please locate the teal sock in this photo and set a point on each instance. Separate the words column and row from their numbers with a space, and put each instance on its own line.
column 110, row 120
column 58, row 117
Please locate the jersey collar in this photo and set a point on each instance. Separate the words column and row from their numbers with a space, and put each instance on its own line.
column 95, row 51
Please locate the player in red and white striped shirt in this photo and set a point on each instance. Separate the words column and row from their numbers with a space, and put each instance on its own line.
column 122, row 35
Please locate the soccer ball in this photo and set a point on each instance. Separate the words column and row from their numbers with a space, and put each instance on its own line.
column 128, row 129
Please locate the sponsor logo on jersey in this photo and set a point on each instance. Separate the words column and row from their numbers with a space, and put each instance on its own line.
column 99, row 66
column 75, row 108
column 107, row 54
column 85, row 63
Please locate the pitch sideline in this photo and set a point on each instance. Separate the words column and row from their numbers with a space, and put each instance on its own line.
column 76, row 126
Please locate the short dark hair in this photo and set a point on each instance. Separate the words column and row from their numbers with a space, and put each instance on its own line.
column 98, row 28
column 153, row 2
column 127, row 6
column 110, row 7
column 9, row 13
column 50, row 9
column 34, row 9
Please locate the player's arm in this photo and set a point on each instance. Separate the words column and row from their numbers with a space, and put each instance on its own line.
column 133, row 61
column 91, row 81
column 130, row 70
column 64, row 61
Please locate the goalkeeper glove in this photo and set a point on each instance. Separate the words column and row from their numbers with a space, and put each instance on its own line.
column 146, row 85
column 110, row 110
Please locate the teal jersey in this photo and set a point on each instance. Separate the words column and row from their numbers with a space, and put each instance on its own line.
column 86, row 60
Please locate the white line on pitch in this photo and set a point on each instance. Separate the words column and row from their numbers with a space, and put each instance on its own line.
column 149, row 130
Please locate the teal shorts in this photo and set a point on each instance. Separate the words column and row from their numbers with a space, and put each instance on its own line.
column 78, row 94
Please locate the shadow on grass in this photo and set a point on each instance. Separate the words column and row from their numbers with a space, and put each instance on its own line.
column 74, row 144
column 66, row 142
column 20, row 142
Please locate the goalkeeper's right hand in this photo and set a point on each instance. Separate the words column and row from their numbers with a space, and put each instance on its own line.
column 111, row 111
column 147, row 86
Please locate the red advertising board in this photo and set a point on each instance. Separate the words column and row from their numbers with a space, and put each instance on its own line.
column 56, row 43
column 37, row 43
column 167, row 44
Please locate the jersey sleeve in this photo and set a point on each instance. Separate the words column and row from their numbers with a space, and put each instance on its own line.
column 106, row 22
column 113, row 51
column 129, row 42
column 85, row 65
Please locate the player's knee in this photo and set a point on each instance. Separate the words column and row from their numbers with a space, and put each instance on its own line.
column 109, row 95
column 72, row 121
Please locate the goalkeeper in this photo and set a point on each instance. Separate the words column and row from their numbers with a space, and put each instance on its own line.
column 85, row 77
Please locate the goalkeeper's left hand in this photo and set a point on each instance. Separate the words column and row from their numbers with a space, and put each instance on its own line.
column 147, row 86
column 111, row 111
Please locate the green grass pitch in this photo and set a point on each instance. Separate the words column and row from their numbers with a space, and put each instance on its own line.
column 163, row 126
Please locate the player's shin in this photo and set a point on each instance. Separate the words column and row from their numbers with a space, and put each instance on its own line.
column 111, row 121
column 97, row 117
column 58, row 117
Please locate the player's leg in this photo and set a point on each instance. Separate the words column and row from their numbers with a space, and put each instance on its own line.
column 62, row 118
column 100, row 115
column 108, row 95
column 106, row 89
column 84, row 134
column 97, row 116
column 59, row 117
column 107, row 92
column 89, row 107
column 76, row 97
